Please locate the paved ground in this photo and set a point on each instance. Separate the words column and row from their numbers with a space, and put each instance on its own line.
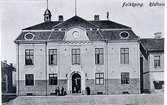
column 139, row 99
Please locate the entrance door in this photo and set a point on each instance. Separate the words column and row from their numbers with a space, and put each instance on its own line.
column 76, row 83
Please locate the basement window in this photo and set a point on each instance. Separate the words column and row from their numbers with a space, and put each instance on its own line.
column 53, row 79
column 29, row 79
column 158, row 84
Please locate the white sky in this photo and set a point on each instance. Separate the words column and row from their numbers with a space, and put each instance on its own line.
column 18, row 14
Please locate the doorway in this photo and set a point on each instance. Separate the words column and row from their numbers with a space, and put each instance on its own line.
column 76, row 83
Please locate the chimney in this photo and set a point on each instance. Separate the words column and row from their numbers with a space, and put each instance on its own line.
column 157, row 35
column 5, row 61
column 96, row 18
column 11, row 64
column 60, row 18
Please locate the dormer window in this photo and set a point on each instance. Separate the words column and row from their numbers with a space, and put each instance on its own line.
column 94, row 29
column 29, row 36
column 56, row 29
column 63, row 29
column 124, row 35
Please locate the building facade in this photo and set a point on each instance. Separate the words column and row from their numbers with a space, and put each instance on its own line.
column 76, row 54
column 153, row 72
column 8, row 72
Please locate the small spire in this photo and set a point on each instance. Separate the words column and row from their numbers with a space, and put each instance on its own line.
column 108, row 15
column 75, row 7
column 47, row 14
column 47, row 4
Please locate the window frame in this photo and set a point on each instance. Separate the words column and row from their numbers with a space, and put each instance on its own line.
column 125, row 78
column 76, row 56
column 157, row 62
column 99, row 52
column 124, row 56
column 52, row 53
column 53, row 79
column 29, row 81
column 29, row 56
column 99, row 78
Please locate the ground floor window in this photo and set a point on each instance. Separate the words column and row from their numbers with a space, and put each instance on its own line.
column 158, row 84
column 29, row 79
column 53, row 79
column 125, row 78
column 99, row 78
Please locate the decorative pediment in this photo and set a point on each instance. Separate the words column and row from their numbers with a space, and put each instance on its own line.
column 76, row 33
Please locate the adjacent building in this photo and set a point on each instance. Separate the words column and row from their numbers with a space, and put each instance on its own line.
column 153, row 72
column 8, row 73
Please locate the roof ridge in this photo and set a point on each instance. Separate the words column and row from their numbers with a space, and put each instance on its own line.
column 74, row 17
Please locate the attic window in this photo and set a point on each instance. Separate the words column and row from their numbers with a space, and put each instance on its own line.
column 56, row 29
column 124, row 35
column 29, row 36
column 63, row 29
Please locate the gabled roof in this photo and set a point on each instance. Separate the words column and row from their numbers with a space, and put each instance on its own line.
column 43, row 26
column 107, row 24
column 153, row 44
column 93, row 34
column 76, row 21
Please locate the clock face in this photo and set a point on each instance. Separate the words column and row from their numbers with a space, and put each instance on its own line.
column 75, row 34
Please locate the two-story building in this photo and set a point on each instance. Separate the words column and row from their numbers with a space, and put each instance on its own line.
column 153, row 65
column 75, row 54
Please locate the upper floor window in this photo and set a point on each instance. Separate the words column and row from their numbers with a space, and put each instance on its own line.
column 52, row 56
column 53, row 79
column 125, row 78
column 99, row 78
column 75, row 56
column 29, row 79
column 29, row 57
column 99, row 56
column 124, row 55
column 156, row 61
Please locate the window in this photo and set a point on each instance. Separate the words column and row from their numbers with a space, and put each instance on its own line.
column 76, row 56
column 29, row 57
column 99, row 56
column 99, row 78
column 53, row 79
column 124, row 55
column 124, row 35
column 29, row 79
column 124, row 78
column 52, row 56
column 29, row 36
column 156, row 61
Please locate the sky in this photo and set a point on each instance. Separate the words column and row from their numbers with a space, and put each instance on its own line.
column 18, row 14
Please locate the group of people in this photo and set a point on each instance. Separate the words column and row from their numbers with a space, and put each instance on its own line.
column 60, row 92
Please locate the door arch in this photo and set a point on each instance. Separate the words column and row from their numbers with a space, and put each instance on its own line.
column 76, row 83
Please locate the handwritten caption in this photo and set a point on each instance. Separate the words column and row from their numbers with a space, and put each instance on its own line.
column 139, row 3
